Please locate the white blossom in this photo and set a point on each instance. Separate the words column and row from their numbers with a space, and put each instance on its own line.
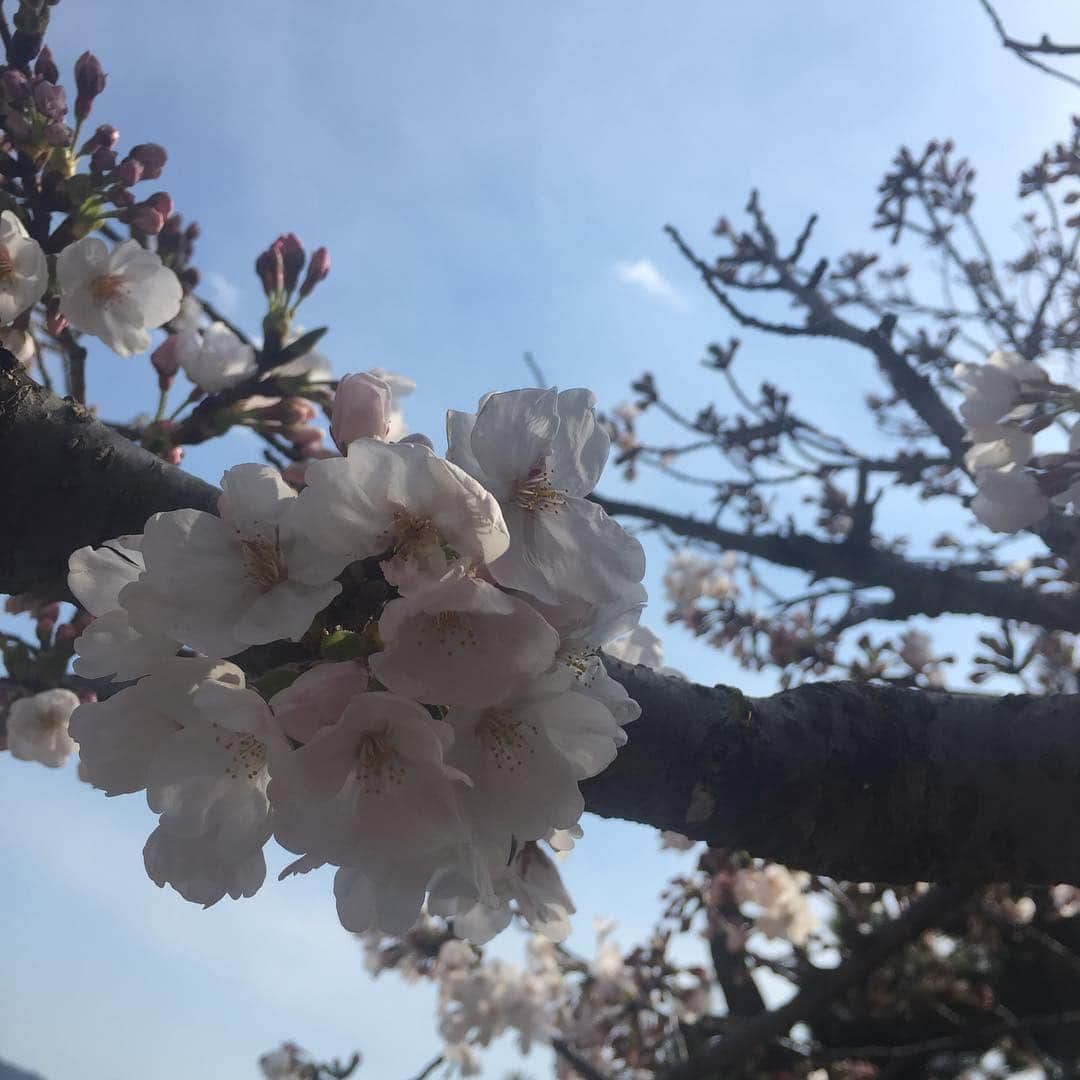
column 117, row 294
column 1009, row 499
column 403, row 501
column 24, row 271
column 540, row 453
column 37, row 727
column 784, row 912
column 461, row 641
column 248, row 577
column 216, row 359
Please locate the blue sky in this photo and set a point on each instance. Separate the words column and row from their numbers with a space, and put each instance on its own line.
column 479, row 172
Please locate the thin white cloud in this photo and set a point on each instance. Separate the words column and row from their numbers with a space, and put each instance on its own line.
column 223, row 294
column 644, row 275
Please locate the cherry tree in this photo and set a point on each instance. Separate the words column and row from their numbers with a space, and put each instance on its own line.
column 421, row 667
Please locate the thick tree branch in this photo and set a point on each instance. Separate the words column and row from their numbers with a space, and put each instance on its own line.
column 918, row 588
column 70, row 480
column 859, row 782
column 854, row 780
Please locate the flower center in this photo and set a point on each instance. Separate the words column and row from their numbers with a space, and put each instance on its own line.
column 451, row 631
column 535, row 492
column 378, row 766
column 264, row 560
column 106, row 288
column 413, row 534
column 248, row 754
column 505, row 737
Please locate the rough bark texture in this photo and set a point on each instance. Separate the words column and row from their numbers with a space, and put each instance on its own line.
column 852, row 780
column 69, row 481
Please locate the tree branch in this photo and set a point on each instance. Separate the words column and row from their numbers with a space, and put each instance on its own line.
column 70, row 481
column 824, row 986
column 855, row 781
column 919, row 588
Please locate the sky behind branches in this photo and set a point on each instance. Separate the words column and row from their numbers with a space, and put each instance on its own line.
column 490, row 178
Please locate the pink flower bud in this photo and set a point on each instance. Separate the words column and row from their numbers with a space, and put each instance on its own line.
column 129, row 172
column 105, row 137
column 50, row 100
column 162, row 202
column 166, row 360
column 15, row 86
column 17, row 126
column 308, row 440
column 174, row 455
column 57, row 134
column 66, row 633
column 151, row 157
column 292, row 259
column 46, row 66
column 271, row 269
column 361, row 409
column 121, row 197
column 89, row 76
column 144, row 218
column 317, row 270
column 102, row 160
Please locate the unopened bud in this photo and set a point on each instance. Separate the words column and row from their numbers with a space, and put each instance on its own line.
column 15, row 86
column 317, row 270
column 66, row 634
column 191, row 233
column 89, row 76
column 129, row 172
column 106, row 136
column 362, row 406
column 271, row 270
column 162, row 203
column 144, row 218
column 102, row 160
column 174, row 455
column 151, row 157
column 50, row 100
column 292, row 259
column 46, row 66
column 166, row 360
column 58, row 134
column 121, row 197
column 308, row 440
column 17, row 126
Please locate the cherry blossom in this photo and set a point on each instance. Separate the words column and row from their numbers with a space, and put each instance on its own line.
column 24, row 271
column 438, row 639
column 116, row 293
column 248, row 577
column 1009, row 499
column 540, row 453
column 217, row 359
column 37, row 727
column 400, row 500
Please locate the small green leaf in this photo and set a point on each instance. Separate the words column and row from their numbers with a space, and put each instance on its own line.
column 343, row 645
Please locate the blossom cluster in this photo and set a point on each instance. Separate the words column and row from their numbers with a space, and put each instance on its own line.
column 1007, row 402
column 394, row 671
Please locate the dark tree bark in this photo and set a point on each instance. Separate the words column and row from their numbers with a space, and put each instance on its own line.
column 855, row 781
column 70, row 481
